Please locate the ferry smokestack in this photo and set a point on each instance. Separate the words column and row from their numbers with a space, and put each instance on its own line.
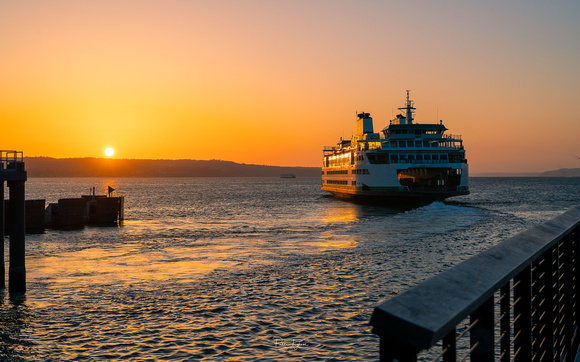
column 364, row 124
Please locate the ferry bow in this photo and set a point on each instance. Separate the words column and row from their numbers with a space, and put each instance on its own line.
column 406, row 162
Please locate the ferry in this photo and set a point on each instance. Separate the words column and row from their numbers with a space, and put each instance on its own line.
column 406, row 163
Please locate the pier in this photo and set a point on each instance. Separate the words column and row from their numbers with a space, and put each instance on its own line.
column 516, row 301
column 12, row 170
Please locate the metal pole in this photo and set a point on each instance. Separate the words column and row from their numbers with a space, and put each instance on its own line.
column 392, row 351
column 17, row 269
column 482, row 333
column 2, row 267
column 523, row 316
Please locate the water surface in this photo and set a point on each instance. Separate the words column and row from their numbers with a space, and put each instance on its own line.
column 245, row 268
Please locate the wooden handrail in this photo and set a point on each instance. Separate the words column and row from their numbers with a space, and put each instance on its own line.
column 419, row 318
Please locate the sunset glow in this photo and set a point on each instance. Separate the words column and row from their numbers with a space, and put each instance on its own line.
column 273, row 82
column 109, row 152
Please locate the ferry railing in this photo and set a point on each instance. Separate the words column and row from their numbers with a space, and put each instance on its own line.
column 517, row 301
column 451, row 136
column 423, row 146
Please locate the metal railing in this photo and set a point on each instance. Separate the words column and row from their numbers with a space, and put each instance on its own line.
column 517, row 301
column 11, row 156
column 12, row 166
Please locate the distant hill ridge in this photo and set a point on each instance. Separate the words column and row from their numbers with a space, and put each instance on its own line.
column 563, row 172
column 102, row 167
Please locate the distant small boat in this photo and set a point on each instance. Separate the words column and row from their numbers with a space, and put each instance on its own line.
column 287, row 175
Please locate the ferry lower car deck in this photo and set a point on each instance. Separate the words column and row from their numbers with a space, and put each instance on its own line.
column 410, row 186
column 430, row 179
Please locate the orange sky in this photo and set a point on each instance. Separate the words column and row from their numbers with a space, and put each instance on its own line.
column 272, row 82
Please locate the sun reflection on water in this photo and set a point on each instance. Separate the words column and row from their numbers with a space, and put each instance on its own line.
column 338, row 242
column 129, row 263
column 348, row 213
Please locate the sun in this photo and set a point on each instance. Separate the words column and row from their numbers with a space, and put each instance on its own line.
column 109, row 152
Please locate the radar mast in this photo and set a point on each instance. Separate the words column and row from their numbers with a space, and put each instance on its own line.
column 409, row 109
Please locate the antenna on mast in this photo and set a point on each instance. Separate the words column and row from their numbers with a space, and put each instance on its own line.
column 409, row 109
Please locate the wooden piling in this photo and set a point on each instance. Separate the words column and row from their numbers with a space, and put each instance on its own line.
column 17, row 269
column 12, row 170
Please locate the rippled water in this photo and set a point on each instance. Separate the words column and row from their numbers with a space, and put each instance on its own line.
column 245, row 269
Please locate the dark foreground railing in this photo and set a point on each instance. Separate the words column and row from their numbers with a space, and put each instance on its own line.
column 517, row 301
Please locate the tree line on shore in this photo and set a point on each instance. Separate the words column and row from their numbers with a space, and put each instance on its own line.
column 101, row 167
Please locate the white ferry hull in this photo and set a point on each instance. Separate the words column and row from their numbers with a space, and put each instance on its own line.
column 395, row 198
column 382, row 185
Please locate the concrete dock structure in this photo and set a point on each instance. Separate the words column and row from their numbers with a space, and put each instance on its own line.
column 75, row 213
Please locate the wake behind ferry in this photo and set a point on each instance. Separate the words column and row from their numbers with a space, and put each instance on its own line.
column 409, row 163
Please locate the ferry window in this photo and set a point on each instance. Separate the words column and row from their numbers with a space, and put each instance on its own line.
column 425, row 143
column 402, row 144
column 443, row 156
column 417, row 143
column 403, row 158
column 411, row 157
column 427, row 157
column 410, row 143
column 419, row 157
column 435, row 157
column 394, row 158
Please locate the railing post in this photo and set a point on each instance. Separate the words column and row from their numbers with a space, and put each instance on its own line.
column 552, row 301
column 542, row 307
column 481, row 334
column 575, row 287
column 566, row 297
column 392, row 351
column 2, row 219
column 522, row 316
column 450, row 346
column 505, row 326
